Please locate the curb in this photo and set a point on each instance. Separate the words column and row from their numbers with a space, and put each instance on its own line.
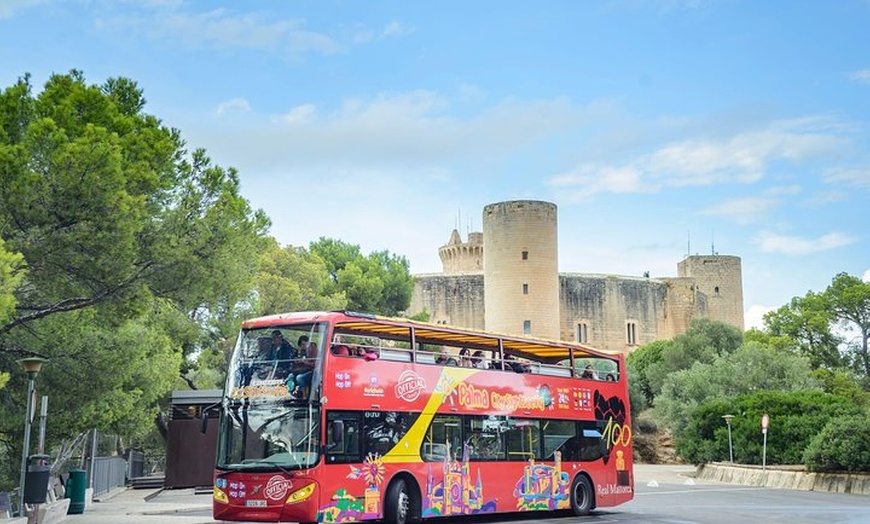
column 785, row 477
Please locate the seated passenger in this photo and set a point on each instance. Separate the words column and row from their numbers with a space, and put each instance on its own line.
column 479, row 361
column 341, row 350
column 515, row 365
column 300, row 379
column 465, row 358
column 588, row 372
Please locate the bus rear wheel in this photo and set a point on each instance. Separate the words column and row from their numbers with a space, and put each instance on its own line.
column 397, row 503
column 581, row 496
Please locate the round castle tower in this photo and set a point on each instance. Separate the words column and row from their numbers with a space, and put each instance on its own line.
column 520, row 266
column 719, row 278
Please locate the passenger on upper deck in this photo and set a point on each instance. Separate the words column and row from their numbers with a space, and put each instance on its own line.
column 465, row 358
column 588, row 372
column 478, row 360
column 303, row 371
column 516, row 365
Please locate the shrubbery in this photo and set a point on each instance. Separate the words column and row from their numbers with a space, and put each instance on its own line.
column 795, row 419
column 842, row 445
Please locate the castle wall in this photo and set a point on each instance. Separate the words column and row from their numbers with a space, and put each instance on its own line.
column 520, row 265
column 455, row 299
column 608, row 306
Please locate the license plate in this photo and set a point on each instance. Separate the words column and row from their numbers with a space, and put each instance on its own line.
column 255, row 503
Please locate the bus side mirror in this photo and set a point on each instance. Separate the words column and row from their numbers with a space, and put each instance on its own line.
column 203, row 417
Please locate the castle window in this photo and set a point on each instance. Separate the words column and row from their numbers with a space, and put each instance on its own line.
column 716, row 291
column 582, row 333
column 631, row 333
column 527, row 327
column 525, row 289
column 525, row 255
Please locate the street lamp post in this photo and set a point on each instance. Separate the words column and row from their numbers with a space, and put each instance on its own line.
column 31, row 366
column 730, row 446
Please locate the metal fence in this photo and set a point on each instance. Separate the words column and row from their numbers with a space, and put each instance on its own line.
column 109, row 473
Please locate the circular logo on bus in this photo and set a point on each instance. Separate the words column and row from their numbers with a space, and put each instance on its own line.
column 410, row 386
column 276, row 488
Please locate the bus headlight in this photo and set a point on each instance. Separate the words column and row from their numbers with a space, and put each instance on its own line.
column 300, row 494
column 220, row 496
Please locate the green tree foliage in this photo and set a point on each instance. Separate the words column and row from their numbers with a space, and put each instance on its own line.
column 796, row 417
column 849, row 299
column 379, row 283
column 702, row 342
column 807, row 321
column 843, row 382
column 11, row 276
column 639, row 362
column 842, row 445
column 752, row 367
column 132, row 246
column 295, row 279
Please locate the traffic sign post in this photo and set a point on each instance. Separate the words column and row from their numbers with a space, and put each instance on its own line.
column 765, row 421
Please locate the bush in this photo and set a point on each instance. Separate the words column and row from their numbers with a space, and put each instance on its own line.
column 795, row 419
column 842, row 445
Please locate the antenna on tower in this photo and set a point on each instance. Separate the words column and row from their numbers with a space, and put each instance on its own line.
column 688, row 243
column 712, row 243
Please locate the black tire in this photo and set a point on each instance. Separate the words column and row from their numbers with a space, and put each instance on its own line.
column 582, row 496
column 397, row 503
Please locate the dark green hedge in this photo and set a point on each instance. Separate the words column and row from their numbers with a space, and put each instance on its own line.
column 795, row 419
column 842, row 445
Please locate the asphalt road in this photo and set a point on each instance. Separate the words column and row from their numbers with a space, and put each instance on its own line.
column 663, row 495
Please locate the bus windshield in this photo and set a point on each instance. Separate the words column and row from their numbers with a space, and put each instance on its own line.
column 266, row 436
column 277, row 362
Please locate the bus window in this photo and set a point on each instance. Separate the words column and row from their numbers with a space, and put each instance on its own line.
column 556, row 434
column 343, row 437
column 523, row 439
column 483, row 435
column 591, row 443
column 443, row 440
column 383, row 429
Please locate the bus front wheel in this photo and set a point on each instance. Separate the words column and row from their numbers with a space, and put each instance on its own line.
column 397, row 503
column 581, row 496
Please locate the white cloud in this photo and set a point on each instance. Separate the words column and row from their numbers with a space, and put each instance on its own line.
column 300, row 114
column 743, row 210
column 742, row 158
column 862, row 76
column 222, row 29
column 8, row 8
column 790, row 245
column 236, row 105
column 394, row 28
column 754, row 316
column 411, row 129
column 855, row 177
column 866, row 277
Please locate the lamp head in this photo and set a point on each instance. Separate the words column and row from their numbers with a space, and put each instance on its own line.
column 32, row 365
column 728, row 418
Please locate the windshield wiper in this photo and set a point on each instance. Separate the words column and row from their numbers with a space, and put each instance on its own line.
column 260, row 464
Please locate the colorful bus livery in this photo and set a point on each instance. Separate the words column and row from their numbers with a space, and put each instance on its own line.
column 388, row 428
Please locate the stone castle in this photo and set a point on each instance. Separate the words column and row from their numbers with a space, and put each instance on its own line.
column 506, row 280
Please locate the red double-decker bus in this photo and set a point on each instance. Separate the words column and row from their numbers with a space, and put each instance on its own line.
column 340, row 417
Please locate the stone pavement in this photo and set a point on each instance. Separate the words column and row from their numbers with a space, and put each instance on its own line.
column 145, row 506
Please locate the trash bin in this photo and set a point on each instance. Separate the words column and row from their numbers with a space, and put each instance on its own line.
column 76, row 487
column 36, row 479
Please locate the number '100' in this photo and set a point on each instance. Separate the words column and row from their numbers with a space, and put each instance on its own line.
column 616, row 434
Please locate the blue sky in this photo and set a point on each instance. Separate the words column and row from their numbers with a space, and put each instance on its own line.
column 657, row 127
